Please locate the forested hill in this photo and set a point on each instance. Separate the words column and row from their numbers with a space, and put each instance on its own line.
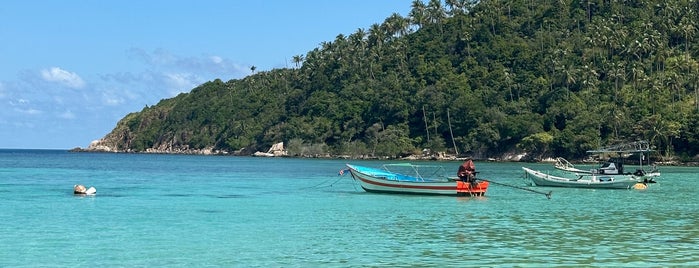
column 550, row 78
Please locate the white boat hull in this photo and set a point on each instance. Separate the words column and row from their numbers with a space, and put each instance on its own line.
column 589, row 181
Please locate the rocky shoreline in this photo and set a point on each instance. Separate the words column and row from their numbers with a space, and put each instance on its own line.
column 424, row 157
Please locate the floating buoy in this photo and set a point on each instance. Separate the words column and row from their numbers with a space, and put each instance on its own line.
column 91, row 190
column 80, row 189
column 640, row 186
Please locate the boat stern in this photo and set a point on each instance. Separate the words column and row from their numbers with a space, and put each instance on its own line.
column 468, row 189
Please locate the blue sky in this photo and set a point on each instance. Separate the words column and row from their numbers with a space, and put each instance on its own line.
column 69, row 70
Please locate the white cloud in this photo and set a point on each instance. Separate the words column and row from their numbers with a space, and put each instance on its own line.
column 23, row 124
column 158, row 57
column 151, row 76
column 29, row 111
column 67, row 115
column 111, row 99
column 181, row 82
column 22, row 101
column 64, row 77
column 18, row 102
column 207, row 67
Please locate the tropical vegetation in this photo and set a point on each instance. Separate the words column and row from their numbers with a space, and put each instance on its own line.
column 480, row 78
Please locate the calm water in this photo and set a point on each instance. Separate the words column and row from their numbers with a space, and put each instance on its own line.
column 175, row 211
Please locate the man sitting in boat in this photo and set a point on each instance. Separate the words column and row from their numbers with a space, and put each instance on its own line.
column 467, row 172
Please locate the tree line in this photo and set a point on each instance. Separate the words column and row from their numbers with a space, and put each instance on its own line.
column 478, row 78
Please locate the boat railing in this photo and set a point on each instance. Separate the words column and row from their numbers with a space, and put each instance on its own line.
column 563, row 163
column 421, row 172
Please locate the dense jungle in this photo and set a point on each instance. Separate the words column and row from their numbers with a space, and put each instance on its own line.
column 469, row 78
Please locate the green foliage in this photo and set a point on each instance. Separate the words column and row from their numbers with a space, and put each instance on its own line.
column 394, row 141
column 538, row 144
column 551, row 78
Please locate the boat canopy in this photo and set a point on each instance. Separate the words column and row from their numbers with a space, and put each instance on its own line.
column 422, row 172
column 631, row 147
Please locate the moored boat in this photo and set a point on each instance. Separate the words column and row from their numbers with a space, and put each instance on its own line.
column 615, row 165
column 597, row 181
column 385, row 181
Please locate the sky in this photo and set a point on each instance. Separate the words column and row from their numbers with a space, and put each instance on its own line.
column 70, row 70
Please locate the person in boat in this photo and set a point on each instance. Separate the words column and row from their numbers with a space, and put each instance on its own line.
column 467, row 172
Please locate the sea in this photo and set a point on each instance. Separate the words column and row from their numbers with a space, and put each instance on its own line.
column 157, row 210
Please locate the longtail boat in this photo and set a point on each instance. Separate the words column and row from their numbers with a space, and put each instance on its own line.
column 414, row 180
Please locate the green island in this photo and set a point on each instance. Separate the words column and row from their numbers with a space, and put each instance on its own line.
column 485, row 79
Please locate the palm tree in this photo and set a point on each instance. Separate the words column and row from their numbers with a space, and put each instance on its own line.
column 457, row 7
column 298, row 59
column 435, row 12
column 617, row 72
column 358, row 46
column 391, row 25
column 376, row 36
column 376, row 40
column 402, row 24
column 637, row 73
column 589, row 78
column 417, row 14
column 688, row 29
column 358, row 39
column 569, row 73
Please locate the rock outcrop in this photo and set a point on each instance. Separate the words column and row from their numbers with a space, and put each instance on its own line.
column 277, row 149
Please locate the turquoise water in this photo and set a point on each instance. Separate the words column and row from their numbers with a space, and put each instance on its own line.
column 183, row 211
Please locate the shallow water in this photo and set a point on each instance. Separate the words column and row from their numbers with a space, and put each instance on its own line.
column 176, row 210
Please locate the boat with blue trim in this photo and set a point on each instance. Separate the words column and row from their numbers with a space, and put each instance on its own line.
column 414, row 179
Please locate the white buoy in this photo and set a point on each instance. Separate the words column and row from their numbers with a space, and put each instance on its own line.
column 80, row 189
column 91, row 190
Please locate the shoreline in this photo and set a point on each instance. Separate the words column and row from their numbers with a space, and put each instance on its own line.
column 439, row 157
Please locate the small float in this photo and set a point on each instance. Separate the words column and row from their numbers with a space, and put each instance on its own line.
column 80, row 189
column 640, row 186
